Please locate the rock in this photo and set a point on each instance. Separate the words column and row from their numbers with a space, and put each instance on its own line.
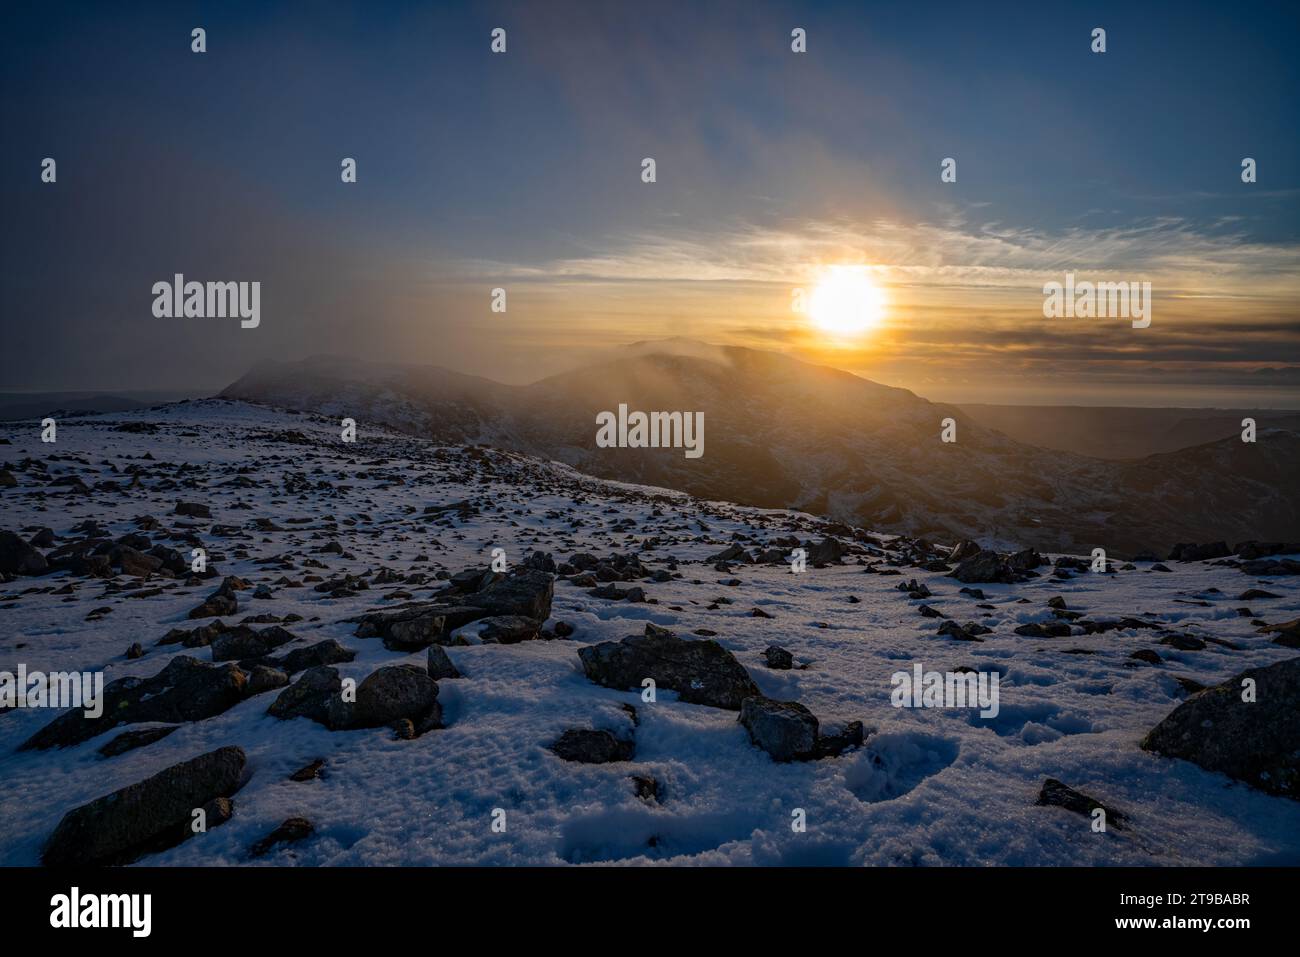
column 7, row 479
column 1199, row 553
column 828, row 551
column 963, row 550
column 439, row 664
column 265, row 678
column 244, row 642
column 508, row 629
column 953, row 630
column 732, row 553
column 415, row 627
column 308, row 772
column 851, row 735
column 133, row 562
column 215, row 605
column 326, row 652
column 1056, row 794
column 778, row 658
column 17, row 557
column 984, row 567
column 1147, row 655
column 1253, row 741
column 563, row 629
column 701, row 672
column 146, row 817
column 592, row 747
column 394, row 692
column 136, row 650
column 186, row 690
column 1183, row 642
column 784, row 729
column 291, row 831
column 318, row 695
column 1288, row 633
column 645, row 787
column 192, row 510
column 524, row 591
column 130, row 740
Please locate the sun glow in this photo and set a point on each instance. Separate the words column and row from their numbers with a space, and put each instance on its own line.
column 846, row 302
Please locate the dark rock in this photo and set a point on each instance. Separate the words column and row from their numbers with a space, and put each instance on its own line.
column 439, row 664
column 193, row 510
column 243, row 642
column 508, row 629
column 1056, row 794
column 645, row 787
column 318, row 695
column 592, row 747
column 1147, row 655
column 151, row 815
column 265, row 678
column 130, row 740
column 186, row 690
column 1253, row 741
column 778, row 658
column 308, row 772
column 701, row 672
column 984, row 567
column 291, row 831
column 17, row 557
column 394, row 692
column 326, row 652
column 784, row 729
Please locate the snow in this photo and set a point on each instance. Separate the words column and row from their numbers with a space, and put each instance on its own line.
column 929, row 787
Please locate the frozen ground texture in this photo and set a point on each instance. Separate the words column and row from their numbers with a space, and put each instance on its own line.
column 928, row 787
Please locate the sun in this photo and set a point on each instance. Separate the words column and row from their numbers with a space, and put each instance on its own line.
column 846, row 302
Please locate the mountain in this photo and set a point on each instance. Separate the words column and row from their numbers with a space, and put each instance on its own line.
column 35, row 405
column 1116, row 432
column 784, row 433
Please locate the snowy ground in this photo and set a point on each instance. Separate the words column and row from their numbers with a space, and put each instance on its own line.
column 929, row 787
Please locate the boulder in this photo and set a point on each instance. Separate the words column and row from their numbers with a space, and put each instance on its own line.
column 439, row 665
column 17, row 557
column 1257, row 742
column 784, row 729
column 244, row 642
column 186, row 690
column 984, row 567
column 395, row 692
column 701, row 672
column 146, row 817
column 318, row 695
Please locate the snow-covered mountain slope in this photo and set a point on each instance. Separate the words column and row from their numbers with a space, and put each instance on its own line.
column 294, row 512
column 783, row 433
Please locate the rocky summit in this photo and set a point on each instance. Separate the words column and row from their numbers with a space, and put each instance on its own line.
column 352, row 652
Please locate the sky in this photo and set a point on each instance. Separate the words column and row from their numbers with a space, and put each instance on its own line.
column 523, row 171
